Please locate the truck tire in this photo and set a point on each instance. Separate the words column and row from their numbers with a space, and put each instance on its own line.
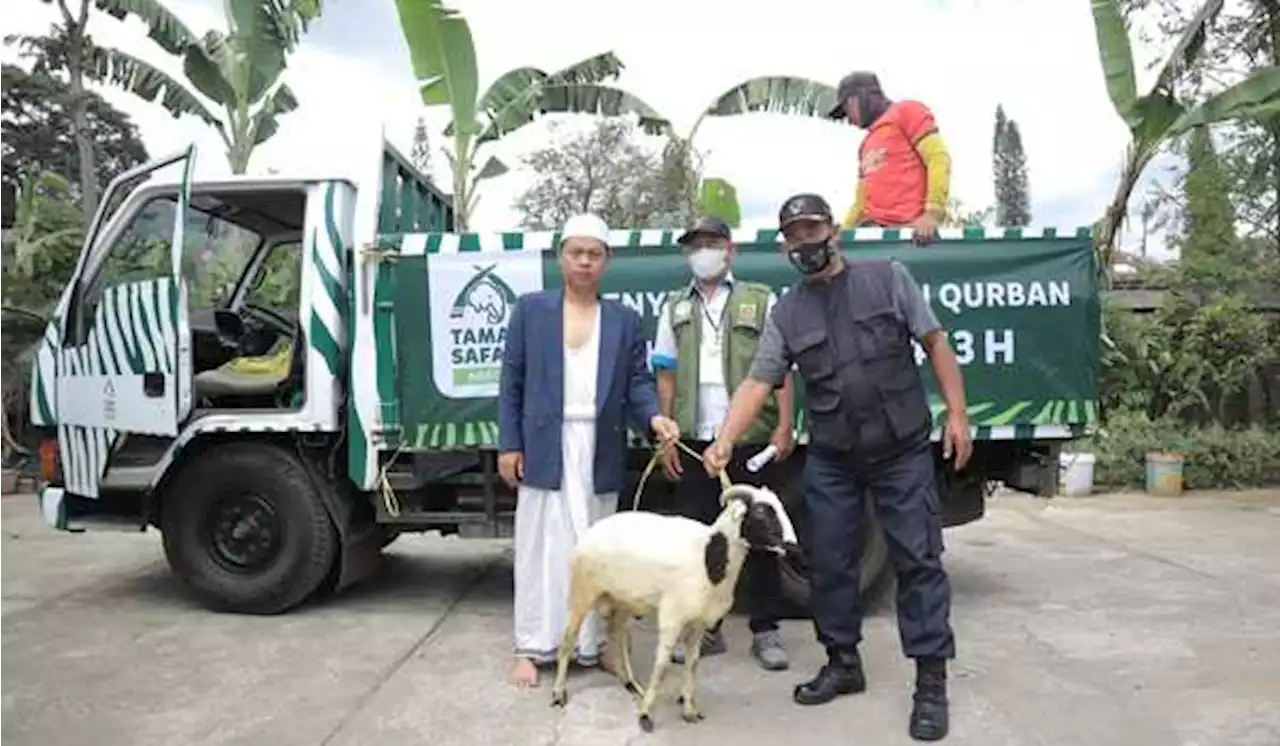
column 873, row 570
column 873, row 566
column 246, row 530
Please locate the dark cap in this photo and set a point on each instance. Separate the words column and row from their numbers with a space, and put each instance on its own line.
column 707, row 225
column 804, row 207
column 851, row 85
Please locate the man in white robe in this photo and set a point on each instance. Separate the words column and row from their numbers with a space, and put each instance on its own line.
column 568, row 343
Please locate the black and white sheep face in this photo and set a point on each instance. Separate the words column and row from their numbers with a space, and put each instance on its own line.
column 761, row 528
column 761, row 517
column 757, row 517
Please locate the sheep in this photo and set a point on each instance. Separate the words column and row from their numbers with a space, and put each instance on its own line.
column 634, row 562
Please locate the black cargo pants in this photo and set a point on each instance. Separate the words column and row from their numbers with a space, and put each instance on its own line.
column 697, row 496
column 906, row 501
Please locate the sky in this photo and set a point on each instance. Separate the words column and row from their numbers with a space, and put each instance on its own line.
column 1037, row 58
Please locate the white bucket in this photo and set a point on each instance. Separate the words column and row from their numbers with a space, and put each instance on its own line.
column 1077, row 473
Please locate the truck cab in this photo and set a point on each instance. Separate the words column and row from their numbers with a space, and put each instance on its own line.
column 283, row 374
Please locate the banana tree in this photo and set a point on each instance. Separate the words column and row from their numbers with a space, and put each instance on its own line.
column 778, row 94
column 1159, row 116
column 45, row 237
column 28, row 237
column 444, row 63
column 238, row 70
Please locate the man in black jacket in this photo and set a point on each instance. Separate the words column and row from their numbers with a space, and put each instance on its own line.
column 848, row 326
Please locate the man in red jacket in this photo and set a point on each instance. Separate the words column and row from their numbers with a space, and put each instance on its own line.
column 904, row 170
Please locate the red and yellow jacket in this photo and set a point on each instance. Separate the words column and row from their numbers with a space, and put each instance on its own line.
column 903, row 169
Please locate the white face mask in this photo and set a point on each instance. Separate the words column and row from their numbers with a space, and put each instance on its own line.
column 707, row 263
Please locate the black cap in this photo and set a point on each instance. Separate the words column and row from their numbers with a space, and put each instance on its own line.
column 849, row 86
column 707, row 225
column 804, row 207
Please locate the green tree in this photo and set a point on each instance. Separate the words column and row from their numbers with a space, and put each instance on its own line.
column 1168, row 111
column 238, row 69
column 1248, row 40
column 67, row 48
column 1009, row 173
column 37, row 256
column 1211, row 257
column 444, row 63
column 41, row 249
column 604, row 170
column 39, row 134
column 683, row 175
column 443, row 56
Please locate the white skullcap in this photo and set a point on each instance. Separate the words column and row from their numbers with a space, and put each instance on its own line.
column 585, row 226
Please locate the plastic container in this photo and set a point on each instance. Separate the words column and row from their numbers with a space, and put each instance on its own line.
column 1077, row 473
column 1164, row 473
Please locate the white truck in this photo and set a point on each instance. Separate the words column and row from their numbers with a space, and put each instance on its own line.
column 283, row 374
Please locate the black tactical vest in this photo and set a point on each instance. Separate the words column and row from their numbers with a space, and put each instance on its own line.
column 863, row 391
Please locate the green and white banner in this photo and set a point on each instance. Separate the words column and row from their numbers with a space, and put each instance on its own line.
column 1021, row 309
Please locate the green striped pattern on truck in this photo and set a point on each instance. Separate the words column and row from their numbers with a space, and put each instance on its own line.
column 435, row 243
column 133, row 332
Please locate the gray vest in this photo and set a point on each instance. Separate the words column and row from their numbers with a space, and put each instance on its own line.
column 863, row 391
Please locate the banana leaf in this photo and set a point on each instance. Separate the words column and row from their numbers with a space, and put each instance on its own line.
column 165, row 29
column 718, row 197
column 147, row 82
column 1255, row 97
column 1116, row 56
column 263, row 124
column 261, row 33
column 599, row 100
column 776, row 94
column 492, row 168
column 443, row 57
column 517, row 96
column 211, row 73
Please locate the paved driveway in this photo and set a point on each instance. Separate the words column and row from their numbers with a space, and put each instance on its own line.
column 1106, row 620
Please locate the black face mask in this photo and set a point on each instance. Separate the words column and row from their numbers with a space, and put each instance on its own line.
column 811, row 258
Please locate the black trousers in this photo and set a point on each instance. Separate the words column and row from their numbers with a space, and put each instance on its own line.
column 906, row 501
column 698, row 496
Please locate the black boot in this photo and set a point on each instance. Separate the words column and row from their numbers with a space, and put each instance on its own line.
column 929, row 718
column 842, row 675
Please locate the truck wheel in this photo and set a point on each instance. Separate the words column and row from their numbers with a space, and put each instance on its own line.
column 873, row 566
column 246, row 530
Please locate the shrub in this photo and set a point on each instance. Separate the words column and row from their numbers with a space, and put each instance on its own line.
column 1214, row 457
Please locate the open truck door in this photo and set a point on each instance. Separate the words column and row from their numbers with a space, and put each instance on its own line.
column 120, row 351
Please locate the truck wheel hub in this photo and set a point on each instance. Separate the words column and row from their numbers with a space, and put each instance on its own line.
column 244, row 533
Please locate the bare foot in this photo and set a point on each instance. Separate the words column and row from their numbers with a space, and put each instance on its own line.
column 524, row 674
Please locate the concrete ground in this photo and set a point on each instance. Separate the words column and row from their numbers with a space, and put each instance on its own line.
column 1094, row 621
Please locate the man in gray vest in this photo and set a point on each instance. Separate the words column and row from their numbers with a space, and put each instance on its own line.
column 848, row 326
column 706, row 342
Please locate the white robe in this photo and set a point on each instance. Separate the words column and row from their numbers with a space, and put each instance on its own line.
column 549, row 522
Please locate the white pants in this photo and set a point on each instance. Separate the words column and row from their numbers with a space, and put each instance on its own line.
column 548, row 524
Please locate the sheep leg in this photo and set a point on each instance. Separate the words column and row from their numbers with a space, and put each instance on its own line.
column 668, row 633
column 609, row 657
column 620, row 639
column 578, row 608
column 693, row 653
